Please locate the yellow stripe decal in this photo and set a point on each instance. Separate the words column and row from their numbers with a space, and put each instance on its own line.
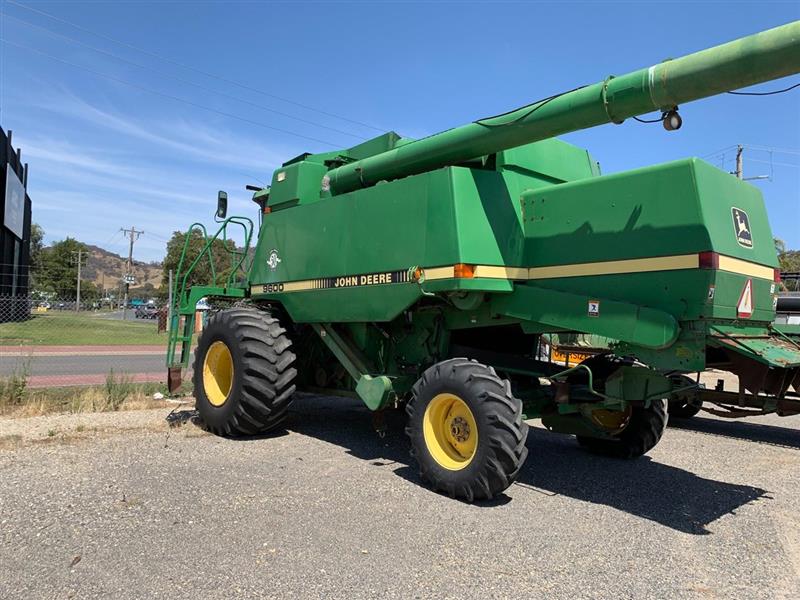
column 742, row 267
column 440, row 273
column 615, row 267
column 327, row 283
column 488, row 272
column 611, row 267
column 297, row 286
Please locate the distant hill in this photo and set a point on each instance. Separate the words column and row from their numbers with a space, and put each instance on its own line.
column 105, row 268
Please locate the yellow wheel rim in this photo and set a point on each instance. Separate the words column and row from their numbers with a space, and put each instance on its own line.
column 218, row 373
column 613, row 421
column 450, row 431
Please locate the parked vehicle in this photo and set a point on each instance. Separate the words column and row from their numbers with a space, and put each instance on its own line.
column 147, row 311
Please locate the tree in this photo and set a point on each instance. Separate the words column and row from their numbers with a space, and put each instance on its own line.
column 59, row 268
column 789, row 261
column 143, row 292
column 201, row 274
column 37, row 245
column 89, row 290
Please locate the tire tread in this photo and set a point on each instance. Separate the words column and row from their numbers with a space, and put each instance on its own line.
column 506, row 449
column 644, row 431
column 267, row 368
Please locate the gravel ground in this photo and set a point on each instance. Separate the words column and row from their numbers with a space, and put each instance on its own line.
column 330, row 510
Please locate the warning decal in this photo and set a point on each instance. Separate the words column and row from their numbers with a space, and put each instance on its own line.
column 744, row 308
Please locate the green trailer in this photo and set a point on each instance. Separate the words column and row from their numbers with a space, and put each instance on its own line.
column 423, row 273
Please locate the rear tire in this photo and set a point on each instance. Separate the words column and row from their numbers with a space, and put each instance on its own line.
column 685, row 405
column 466, row 430
column 683, row 410
column 243, row 373
column 642, row 432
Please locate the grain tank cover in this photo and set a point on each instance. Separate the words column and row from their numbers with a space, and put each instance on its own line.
column 297, row 181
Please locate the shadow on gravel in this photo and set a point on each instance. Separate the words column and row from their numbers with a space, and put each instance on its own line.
column 742, row 430
column 668, row 495
column 346, row 422
column 556, row 465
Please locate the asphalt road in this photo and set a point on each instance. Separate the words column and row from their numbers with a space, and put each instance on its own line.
column 329, row 510
column 76, row 364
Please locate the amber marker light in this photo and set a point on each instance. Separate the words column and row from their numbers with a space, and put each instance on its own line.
column 464, row 271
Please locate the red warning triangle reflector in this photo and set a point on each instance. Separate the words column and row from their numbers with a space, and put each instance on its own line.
column 744, row 308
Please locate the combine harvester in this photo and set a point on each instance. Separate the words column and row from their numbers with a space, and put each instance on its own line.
column 423, row 272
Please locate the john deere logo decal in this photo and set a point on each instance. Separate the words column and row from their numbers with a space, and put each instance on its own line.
column 741, row 225
column 273, row 259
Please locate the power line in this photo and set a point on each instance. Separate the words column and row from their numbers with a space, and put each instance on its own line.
column 164, row 95
column 768, row 149
column 733, row 152
column 191, row 68
column 772, row 93
column 111, row 238
column 775, row 150
column 158, row 238
column 770, row 162
column 720, row 151
column 179, row 79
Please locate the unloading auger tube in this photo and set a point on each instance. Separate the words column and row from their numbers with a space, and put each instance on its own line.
column 757, row 58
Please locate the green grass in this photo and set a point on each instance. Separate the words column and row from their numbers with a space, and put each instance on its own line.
column 64, row 328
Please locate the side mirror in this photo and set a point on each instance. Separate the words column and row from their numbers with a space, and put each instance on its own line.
column 222, row 205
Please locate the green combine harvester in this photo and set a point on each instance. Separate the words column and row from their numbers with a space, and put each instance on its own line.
column 424, row 272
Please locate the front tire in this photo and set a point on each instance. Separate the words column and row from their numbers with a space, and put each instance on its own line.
column 637, row 436
column 243, row 373
column 466, row 430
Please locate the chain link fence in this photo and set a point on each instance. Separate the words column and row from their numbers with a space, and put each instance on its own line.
column 56, row 347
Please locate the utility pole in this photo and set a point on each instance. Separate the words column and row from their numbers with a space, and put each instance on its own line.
column 739, row 170
column 133, row 235
column 79, row 254
column 170, row 300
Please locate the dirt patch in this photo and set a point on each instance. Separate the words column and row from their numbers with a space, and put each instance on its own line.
column 67, row 428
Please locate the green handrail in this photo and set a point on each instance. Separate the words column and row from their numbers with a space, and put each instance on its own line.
column 247, row 228
column 182, row 298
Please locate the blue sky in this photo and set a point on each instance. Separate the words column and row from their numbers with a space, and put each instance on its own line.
column 105, row 154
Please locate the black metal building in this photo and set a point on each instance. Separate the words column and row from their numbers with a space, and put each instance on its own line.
column 15, row 232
